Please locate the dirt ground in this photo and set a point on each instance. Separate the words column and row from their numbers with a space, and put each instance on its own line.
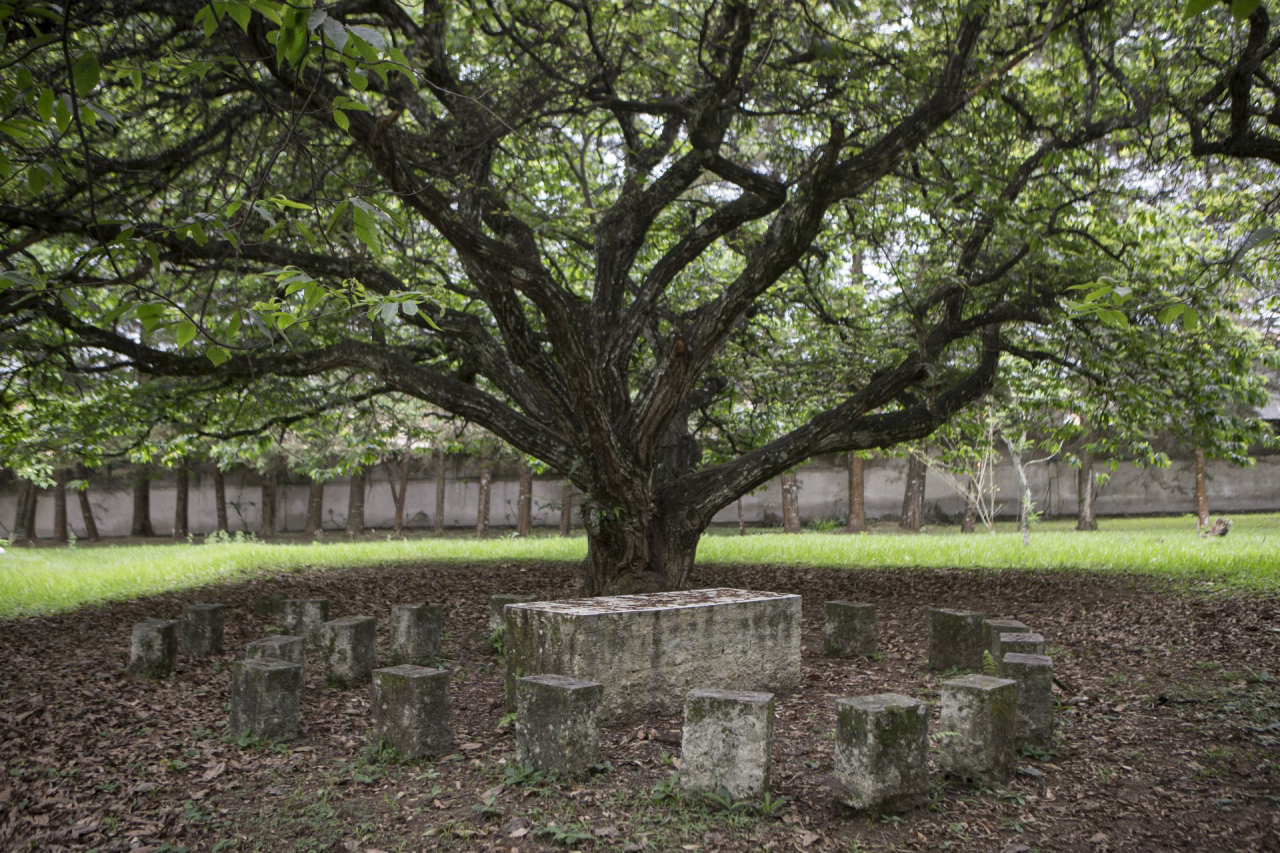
column 1168, row 732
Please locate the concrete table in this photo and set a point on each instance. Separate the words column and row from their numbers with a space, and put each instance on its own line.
column 650, row 650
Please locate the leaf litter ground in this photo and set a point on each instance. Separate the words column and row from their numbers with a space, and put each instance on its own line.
column 1168, row 732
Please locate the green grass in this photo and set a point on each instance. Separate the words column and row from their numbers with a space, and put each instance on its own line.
column 49, row 580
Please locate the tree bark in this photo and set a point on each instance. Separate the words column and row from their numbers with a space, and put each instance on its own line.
column 970, row 518
column 181, row 503
column 355, row 504
column 857, row 494
column 1085, row 517
column 315, row 507
column 440, row 483
column 60, row 506
column 742, row 525
column 1202, row 491
column 399, row 485
column 23, row 529
column 1024, row 491
column 524, row 508
column 790, row 503
column 566, row 509
column 220, row 499
column 482, row 501
column 86, row 509
column 912, row 517
column 270, row 501
column 141, row 525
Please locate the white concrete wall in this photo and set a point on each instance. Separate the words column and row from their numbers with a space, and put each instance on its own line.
column 1131, row 491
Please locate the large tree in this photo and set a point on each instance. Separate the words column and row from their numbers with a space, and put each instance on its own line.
column 570, row 223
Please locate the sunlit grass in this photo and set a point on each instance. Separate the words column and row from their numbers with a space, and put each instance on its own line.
column 49, row 580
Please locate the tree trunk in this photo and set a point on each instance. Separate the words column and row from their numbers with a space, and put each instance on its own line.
column 220, row 499
column 1202, row 492
column 440, row 472
column 857, row 494
column 970, row 518
column 1024, row 491
column 644, row 550
column 566, row 509
column 1085, row 518
column 398, row 482
column 524, row 507
column 355, row 505
column 181, row 502
column 32, row 505
column 315, row 508
column 482, row 501
column 912, row 517
column 141, row 525
column 60, row 506
column 742, row 525
column 86, row 509
column 23, row 530
column 270, row 500
column 790, row 503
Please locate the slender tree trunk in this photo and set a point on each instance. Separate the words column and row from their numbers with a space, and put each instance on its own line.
column 790, row 503
column 1085, row 518
column 86, row 509
column 1202, row 492
column 220, row 499
column 857, row 494
column 482, row 501
column 60, row 506
column 440, row 483
column 398, row 482
column 315, row 507
column 181, row 503
column 270, row 501
column 524, row 508
column 912, row 517
column 141, row 525
column 404, row 492
column 33, row 505
column 1024, row 491
column 355, row 505
column 566, row 509
column 742, row 525
column 970, row 518
column 23, row 528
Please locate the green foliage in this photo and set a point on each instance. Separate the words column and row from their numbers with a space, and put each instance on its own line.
column 989, row 665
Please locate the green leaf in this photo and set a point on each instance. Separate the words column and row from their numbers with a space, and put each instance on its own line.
column 185, row 333
column 44, row 107
column 340, row 119
column 1242, row 9
column 358, row 80
column 1196, row 7
column 217, row 355
column 86, row 73
column 240, row 13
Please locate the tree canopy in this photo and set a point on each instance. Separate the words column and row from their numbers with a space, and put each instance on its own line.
column 608, row 232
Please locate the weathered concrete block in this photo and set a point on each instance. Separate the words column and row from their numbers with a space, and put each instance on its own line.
column 980, row 717
column 558, row 722
column 200, row 633
column 1034, row 675
column 302, row 617
column 154, row 648
column 727, row 742
column 265, row 697
column 415, row 633
column 993, row 628
column 348, row 649
column 882, row 753
column 650, row 650
column 268, row 605
column 1020, row 644
column 848, row 629
column 955, row 639
column 498, row 603
column 411, row 709
column 288, row 649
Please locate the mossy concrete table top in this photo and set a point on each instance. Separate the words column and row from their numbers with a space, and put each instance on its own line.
column 650, row 650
